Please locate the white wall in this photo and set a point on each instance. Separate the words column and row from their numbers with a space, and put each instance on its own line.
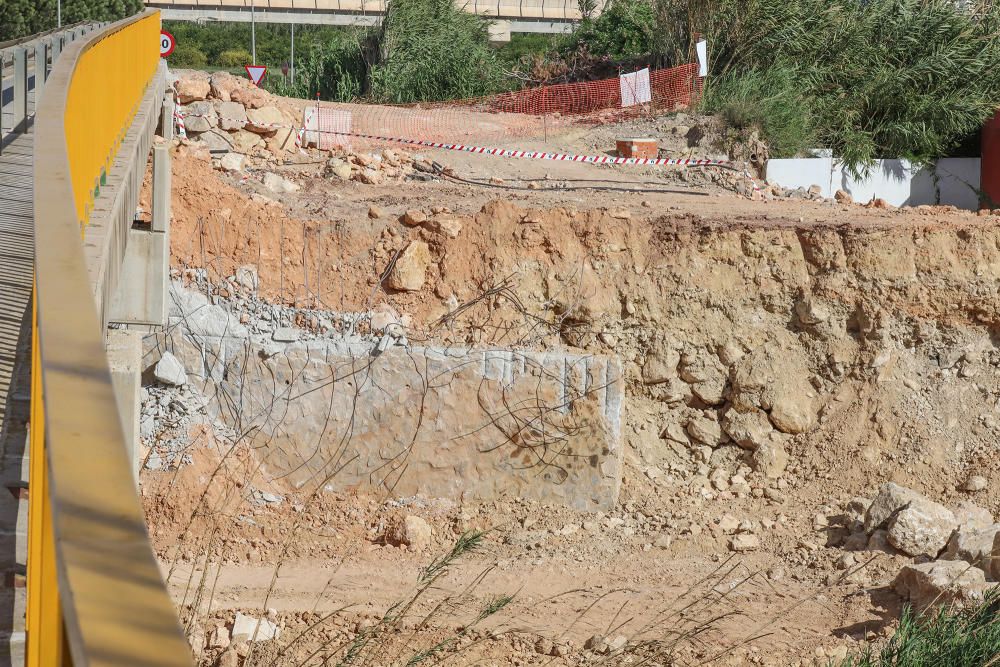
column 953, row 181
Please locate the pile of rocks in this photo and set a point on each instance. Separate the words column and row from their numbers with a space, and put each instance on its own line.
column 229, row 113
column 955, row 551
column 732, row 404
column 378, row 167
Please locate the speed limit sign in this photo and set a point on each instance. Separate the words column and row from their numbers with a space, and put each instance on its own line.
column 167, row 43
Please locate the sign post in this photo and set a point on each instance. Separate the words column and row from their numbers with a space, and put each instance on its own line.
column 167, row 43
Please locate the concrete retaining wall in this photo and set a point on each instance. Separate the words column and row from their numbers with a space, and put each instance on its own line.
column 467, row 424
column 953, row 181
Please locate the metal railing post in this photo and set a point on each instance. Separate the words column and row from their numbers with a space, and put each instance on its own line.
column 167, row 118
column 2, row 57
column 20, row 108
column 161, row 187
column 41, row 68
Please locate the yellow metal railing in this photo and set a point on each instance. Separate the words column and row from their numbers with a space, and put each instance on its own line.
column 95, row 594
column 107, row 85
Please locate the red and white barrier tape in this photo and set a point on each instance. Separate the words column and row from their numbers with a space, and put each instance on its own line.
column 503, row 152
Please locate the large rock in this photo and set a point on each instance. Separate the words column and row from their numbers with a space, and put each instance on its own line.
column 890, row 499
column 922, row 528
column 769, row 459
column 793, row 413
column 748, row 429
column 200, row 117
column 279, row 184
column 970, row 515
column 202, row 319
column 945, row 582
column 244, row 141
column 974, row 546
column 775, row 379
column 583, row 295
column 705, row 430
column 661, row 363
column 265, row 120
column 232, row 115
column 282, row 140
column 411, row 531
column 410, row 269
column 251, row 97
column 703, row 371
column 223, row 84
column 231, row 162
column 249, row 629
column 192, row 87
column 169, row 370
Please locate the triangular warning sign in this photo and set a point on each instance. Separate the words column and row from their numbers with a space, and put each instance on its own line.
column 256, row 73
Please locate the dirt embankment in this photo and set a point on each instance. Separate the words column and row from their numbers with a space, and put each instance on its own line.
column 781, row 362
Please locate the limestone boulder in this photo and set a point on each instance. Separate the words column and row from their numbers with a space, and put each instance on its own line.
column 200, row 117
column 222, row 85
column 749, row 430
column 170, row 371
column 921, row 528
column 265, row 120
column 251, row 97
column 890, row 499
column 970, row 515
column 775, row 378
column 411, row 531
column 705, row 430
column 244, row 141
column 249, row 629
column 446, row 225
column 232, row 115
column 279, row 184
column 974, row 546
column 769, row 459
column 410, row 269
column 192, row 87
column 944, row 582
column 231, row 162
column 661, row 363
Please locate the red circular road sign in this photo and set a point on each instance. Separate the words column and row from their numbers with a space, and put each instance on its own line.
column 167, row 43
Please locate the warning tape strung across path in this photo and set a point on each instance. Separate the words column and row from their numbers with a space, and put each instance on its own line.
column 507, row 152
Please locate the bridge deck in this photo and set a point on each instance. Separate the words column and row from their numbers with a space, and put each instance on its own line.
column 16, row 272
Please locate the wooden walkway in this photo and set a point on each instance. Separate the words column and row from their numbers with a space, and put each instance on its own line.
column 16, row 277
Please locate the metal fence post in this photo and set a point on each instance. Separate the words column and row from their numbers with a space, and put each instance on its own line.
column 20, row 87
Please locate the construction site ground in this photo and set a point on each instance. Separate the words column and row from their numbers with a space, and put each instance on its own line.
column 881, row 311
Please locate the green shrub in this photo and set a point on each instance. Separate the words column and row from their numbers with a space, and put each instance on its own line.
column 188, row 55
column 432, row 50
column 625, row 30
column 770, row 101
column 948, row 638
column 877, row 79
column 234, row 58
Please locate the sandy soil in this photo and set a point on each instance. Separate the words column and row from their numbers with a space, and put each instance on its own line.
column 705, row 266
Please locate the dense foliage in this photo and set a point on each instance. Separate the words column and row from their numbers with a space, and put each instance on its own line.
column 947, row 638
column 879, row 78
column 431, row 50
column 227, row 45
column 20, row 18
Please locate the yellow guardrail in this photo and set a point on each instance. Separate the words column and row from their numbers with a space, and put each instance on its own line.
column 95, row 593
